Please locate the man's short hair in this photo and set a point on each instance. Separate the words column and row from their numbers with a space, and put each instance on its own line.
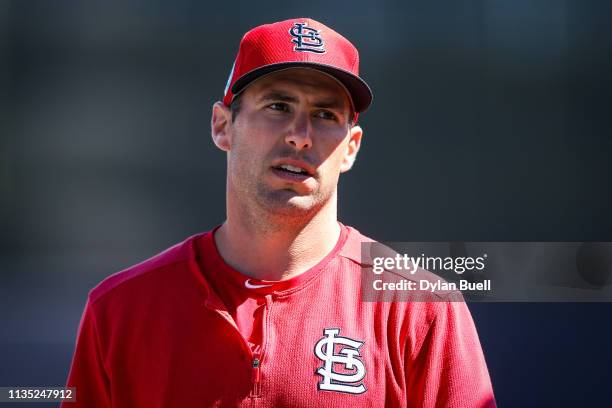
column 235, row 106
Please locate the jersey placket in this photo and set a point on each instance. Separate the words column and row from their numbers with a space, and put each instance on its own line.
column 259, row 355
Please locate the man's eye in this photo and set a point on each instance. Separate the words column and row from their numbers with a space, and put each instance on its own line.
column 279, row 106
column 324, row 114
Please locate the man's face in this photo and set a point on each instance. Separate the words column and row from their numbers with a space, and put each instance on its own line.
column 289, row 142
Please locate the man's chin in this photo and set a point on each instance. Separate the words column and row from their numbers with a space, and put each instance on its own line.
column 290, row 203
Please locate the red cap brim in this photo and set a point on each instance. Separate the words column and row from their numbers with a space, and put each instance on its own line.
column 360, row 92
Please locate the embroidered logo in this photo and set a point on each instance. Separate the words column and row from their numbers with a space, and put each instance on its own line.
column 306, row 38
column 250, row 285
column 342, row 370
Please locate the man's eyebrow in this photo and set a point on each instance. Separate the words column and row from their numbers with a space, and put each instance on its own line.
column 330, row 103
column 277, row 96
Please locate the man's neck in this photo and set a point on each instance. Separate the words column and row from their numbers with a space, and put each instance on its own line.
column 281, row 252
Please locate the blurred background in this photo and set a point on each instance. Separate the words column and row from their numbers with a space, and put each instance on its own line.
column 491, row 121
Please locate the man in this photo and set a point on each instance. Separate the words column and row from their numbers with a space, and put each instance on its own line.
column 266, row 309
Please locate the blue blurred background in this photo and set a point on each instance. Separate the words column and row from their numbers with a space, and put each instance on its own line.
column 491, row 121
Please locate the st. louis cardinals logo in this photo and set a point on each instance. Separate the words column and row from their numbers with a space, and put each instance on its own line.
column 345, row 359
column 306, row 38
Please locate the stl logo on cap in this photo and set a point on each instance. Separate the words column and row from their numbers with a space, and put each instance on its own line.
column 306, row 38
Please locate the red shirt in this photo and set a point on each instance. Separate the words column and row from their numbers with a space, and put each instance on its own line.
column 183, row 330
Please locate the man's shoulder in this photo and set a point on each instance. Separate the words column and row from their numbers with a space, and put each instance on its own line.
column 353, row 246
column 179, row 253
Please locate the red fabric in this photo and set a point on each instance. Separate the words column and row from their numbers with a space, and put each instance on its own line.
column 158, row 335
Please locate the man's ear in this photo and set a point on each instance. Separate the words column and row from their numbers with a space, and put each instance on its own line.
column 354, row 143
column 220, row 124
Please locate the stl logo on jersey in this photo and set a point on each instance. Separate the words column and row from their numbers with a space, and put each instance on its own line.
column 342, row 371
column 306, row 38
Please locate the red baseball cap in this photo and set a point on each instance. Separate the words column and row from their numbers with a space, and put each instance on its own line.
column 299, row 42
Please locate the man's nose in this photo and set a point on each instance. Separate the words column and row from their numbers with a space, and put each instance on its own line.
column 299, row 134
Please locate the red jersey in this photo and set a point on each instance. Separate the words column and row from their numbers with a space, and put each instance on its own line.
column 183, row 329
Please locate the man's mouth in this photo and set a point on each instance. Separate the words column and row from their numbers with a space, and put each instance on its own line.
column 292, row 169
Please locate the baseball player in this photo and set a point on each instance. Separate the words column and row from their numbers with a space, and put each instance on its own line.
column 266, row 309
